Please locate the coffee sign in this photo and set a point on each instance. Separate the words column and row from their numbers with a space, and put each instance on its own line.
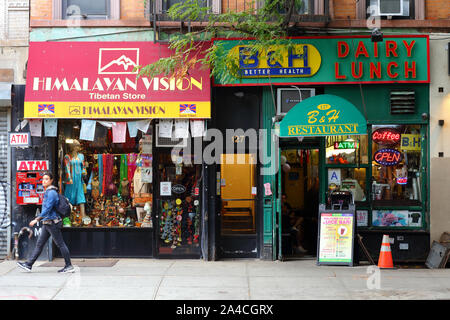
column 386, row 136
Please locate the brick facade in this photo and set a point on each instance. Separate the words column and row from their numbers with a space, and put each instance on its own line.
column 343, row 9
column 41, row 10
column 14, row 20
column 437, row 9
column 132, row 9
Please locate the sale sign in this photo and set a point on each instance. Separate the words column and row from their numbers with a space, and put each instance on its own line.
column 336, row 237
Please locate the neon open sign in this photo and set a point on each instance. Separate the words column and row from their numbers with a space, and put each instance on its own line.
column 386, row 136
column 387, row 157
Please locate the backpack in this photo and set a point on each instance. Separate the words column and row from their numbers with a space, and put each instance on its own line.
column 64, row 207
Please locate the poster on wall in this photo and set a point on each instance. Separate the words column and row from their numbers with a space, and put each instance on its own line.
column 336, row 236
column 362, row 218
column 390, row 218
column 396, row 218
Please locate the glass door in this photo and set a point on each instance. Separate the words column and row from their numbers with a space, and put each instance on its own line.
column 178, row 205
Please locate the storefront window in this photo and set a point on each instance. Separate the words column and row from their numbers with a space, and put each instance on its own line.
column 179, row 200
column 108, row 184
column 396, row 155
column 348, row 179
column 347, row 149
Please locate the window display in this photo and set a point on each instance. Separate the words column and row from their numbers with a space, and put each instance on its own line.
column 348, row 179
column 108, row 184
column 396, row 163
column 179, row 201
column 347, row 149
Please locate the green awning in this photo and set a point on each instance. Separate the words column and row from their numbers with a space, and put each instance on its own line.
column 323, row 115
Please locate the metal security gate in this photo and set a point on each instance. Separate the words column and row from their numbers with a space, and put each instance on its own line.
column 4, row 183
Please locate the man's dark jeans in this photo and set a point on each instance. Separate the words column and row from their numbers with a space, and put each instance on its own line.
column 48, row 230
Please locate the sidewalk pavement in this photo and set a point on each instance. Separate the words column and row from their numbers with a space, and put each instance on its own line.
column 248, row 279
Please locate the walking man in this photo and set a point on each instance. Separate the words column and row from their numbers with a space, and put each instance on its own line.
column 51, row 226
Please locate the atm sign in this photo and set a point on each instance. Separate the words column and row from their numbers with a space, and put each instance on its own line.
column 19, row 139
column 32, row 165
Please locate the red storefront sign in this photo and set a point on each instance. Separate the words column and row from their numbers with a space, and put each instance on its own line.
column 99, row 80
column 386, row 136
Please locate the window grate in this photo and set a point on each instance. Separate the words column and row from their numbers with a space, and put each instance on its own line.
column 403, row 102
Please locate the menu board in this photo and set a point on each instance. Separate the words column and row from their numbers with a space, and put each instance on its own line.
column 336, row 236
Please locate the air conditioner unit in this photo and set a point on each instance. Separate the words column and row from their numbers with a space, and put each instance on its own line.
column 169, row 142
column 390, row 7
column 289, row 97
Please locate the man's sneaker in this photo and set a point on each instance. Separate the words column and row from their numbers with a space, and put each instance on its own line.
column 24, row 266
column 67, row 269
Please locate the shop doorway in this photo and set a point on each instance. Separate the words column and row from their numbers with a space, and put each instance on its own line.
column 178, row 205
column 237, row 179
column 298, row 190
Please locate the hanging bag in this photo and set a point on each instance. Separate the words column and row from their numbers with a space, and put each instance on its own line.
column 139, row 199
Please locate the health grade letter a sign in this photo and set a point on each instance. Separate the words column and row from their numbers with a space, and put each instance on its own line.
column 99, row 80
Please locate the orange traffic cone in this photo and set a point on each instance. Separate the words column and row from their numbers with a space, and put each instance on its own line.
column 385, row 260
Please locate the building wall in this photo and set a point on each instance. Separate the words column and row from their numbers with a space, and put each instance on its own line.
column 344, row 9
column 132, row 9
column 439, row 135
column 13, row 57
column 129, row 9
column 13, row 40
column 437, row 9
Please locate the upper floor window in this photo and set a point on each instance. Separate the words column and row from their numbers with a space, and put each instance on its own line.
column 166, row 4
column 300, row 7
column 391, row 9
column 86, row 9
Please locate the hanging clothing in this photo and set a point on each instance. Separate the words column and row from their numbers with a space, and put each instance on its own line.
column 75, row 168
column 104, row 173
column 100, row 172
column 123, row 170
column 109, row 188
column 132, row 157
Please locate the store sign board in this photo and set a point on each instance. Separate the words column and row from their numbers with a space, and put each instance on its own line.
column 330, row 60
column 19, row 139
column 386, row 136
column 336, row 236
column 410, row 142
column 99, row 80
column 32, row 165
column 323, row 115
column 302, row 60
column 387, row 157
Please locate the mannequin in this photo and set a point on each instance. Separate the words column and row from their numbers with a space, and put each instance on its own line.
column 75, row 169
